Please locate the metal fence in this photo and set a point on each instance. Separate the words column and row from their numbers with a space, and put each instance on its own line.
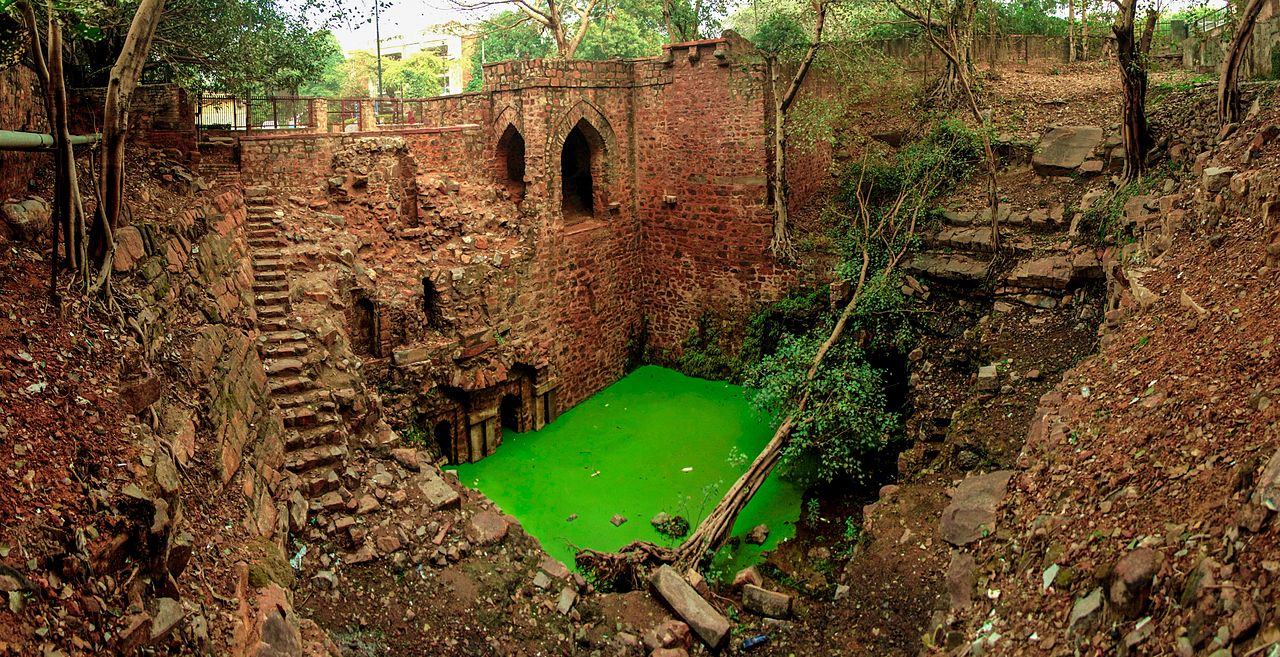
column 223, row 112
column 400, row 111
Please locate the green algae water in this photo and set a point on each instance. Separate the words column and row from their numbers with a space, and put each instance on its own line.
column 656, row 441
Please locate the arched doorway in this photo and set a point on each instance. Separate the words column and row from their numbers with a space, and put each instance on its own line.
column 509, row 411
column 580, row 168
column 444, row 440
column 510, row 158
column 364, row 336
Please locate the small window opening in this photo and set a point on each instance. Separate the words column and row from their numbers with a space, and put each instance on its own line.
column 366, row 329
column 431, row 304
column 578, row 187
column 511, row 162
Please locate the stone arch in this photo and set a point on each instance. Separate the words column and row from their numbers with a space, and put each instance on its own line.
column 509, row 161
column 583, row 145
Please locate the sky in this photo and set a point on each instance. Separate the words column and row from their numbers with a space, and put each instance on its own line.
column 402, row 17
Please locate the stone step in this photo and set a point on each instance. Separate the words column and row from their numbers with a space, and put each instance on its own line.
column 258, row 201
column 317, row 398
column 270, row 275
column 270, row 312
column 280, row 337
column 318, row 482
column 278, row 285
column 271, row 298
column 291, row 384
column 287, row 349
column 329, row 433
column 950, row 267
column 314, row 457
column 258, row 242
column 300, row 416
column 273, row 324
column 279, row 366
column 270, row 264
column 265, row 231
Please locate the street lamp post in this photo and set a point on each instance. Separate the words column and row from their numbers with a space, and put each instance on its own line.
column 377, row 39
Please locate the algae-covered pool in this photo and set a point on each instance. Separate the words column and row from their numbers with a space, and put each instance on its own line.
column 656, row 441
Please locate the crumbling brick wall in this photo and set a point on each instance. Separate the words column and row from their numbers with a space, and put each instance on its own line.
column 660, row 213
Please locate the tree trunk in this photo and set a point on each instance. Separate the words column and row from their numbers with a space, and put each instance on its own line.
column 991, row 35
column 666, row 18
column 1228, row 83
column 1084, row 29
column 1071, row 31
column 1134, row 132
column 1149, row 31
column 60, row 211
column 124, row 78
column 714, row 530
column 780, row 245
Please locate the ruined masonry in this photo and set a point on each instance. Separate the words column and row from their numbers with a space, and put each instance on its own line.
column 504, row 258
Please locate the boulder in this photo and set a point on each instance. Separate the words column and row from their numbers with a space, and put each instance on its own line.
column 130, row 248
column 748, row 575
column 971, row 514
column 765, row 602
column 436, row 491
column 1051, row 272
column 1216, row 179
column 1131, row 581
column 1062, row 150
column 26, row 220
column 950, row 267
column 568, row 597
column 669, row 634
column 758, row 535
column 961, row 579
column 487, row 527
column 407, row 457
column 706, row 622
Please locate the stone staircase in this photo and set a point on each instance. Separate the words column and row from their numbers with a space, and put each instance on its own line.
column 960, row 252
column 316, row 436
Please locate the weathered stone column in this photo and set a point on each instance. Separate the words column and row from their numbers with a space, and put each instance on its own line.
column 368, row 120
column 320, row 115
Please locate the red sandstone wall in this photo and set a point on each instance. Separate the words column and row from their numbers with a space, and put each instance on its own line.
column 702, row 140
column 521, row 291
column 21, row 108
column 161, row 116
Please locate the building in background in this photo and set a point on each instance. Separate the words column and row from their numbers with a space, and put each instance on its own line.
column 452, row 42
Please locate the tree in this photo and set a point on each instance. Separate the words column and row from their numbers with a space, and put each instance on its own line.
column 954, row 40
column 1071, row 30
column 566, row 21
column 623, row 28
column 124, row 78
column 1135, row 135
column 229, row 46
column 415, row 76
column 508, row 35
column 689, row 20
column 955, row 29
column 777, row 35
column 328, row 83
column 1228, row 83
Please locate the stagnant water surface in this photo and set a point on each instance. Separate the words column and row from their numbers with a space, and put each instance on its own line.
column 655, row 441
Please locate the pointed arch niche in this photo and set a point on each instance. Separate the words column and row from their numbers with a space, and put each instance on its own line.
column 581, row 152
column 510, row 162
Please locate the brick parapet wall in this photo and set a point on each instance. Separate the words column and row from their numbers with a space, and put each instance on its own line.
column 21, row 108
column 160, row 116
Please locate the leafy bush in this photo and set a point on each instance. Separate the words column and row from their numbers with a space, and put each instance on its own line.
column 848, row 416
